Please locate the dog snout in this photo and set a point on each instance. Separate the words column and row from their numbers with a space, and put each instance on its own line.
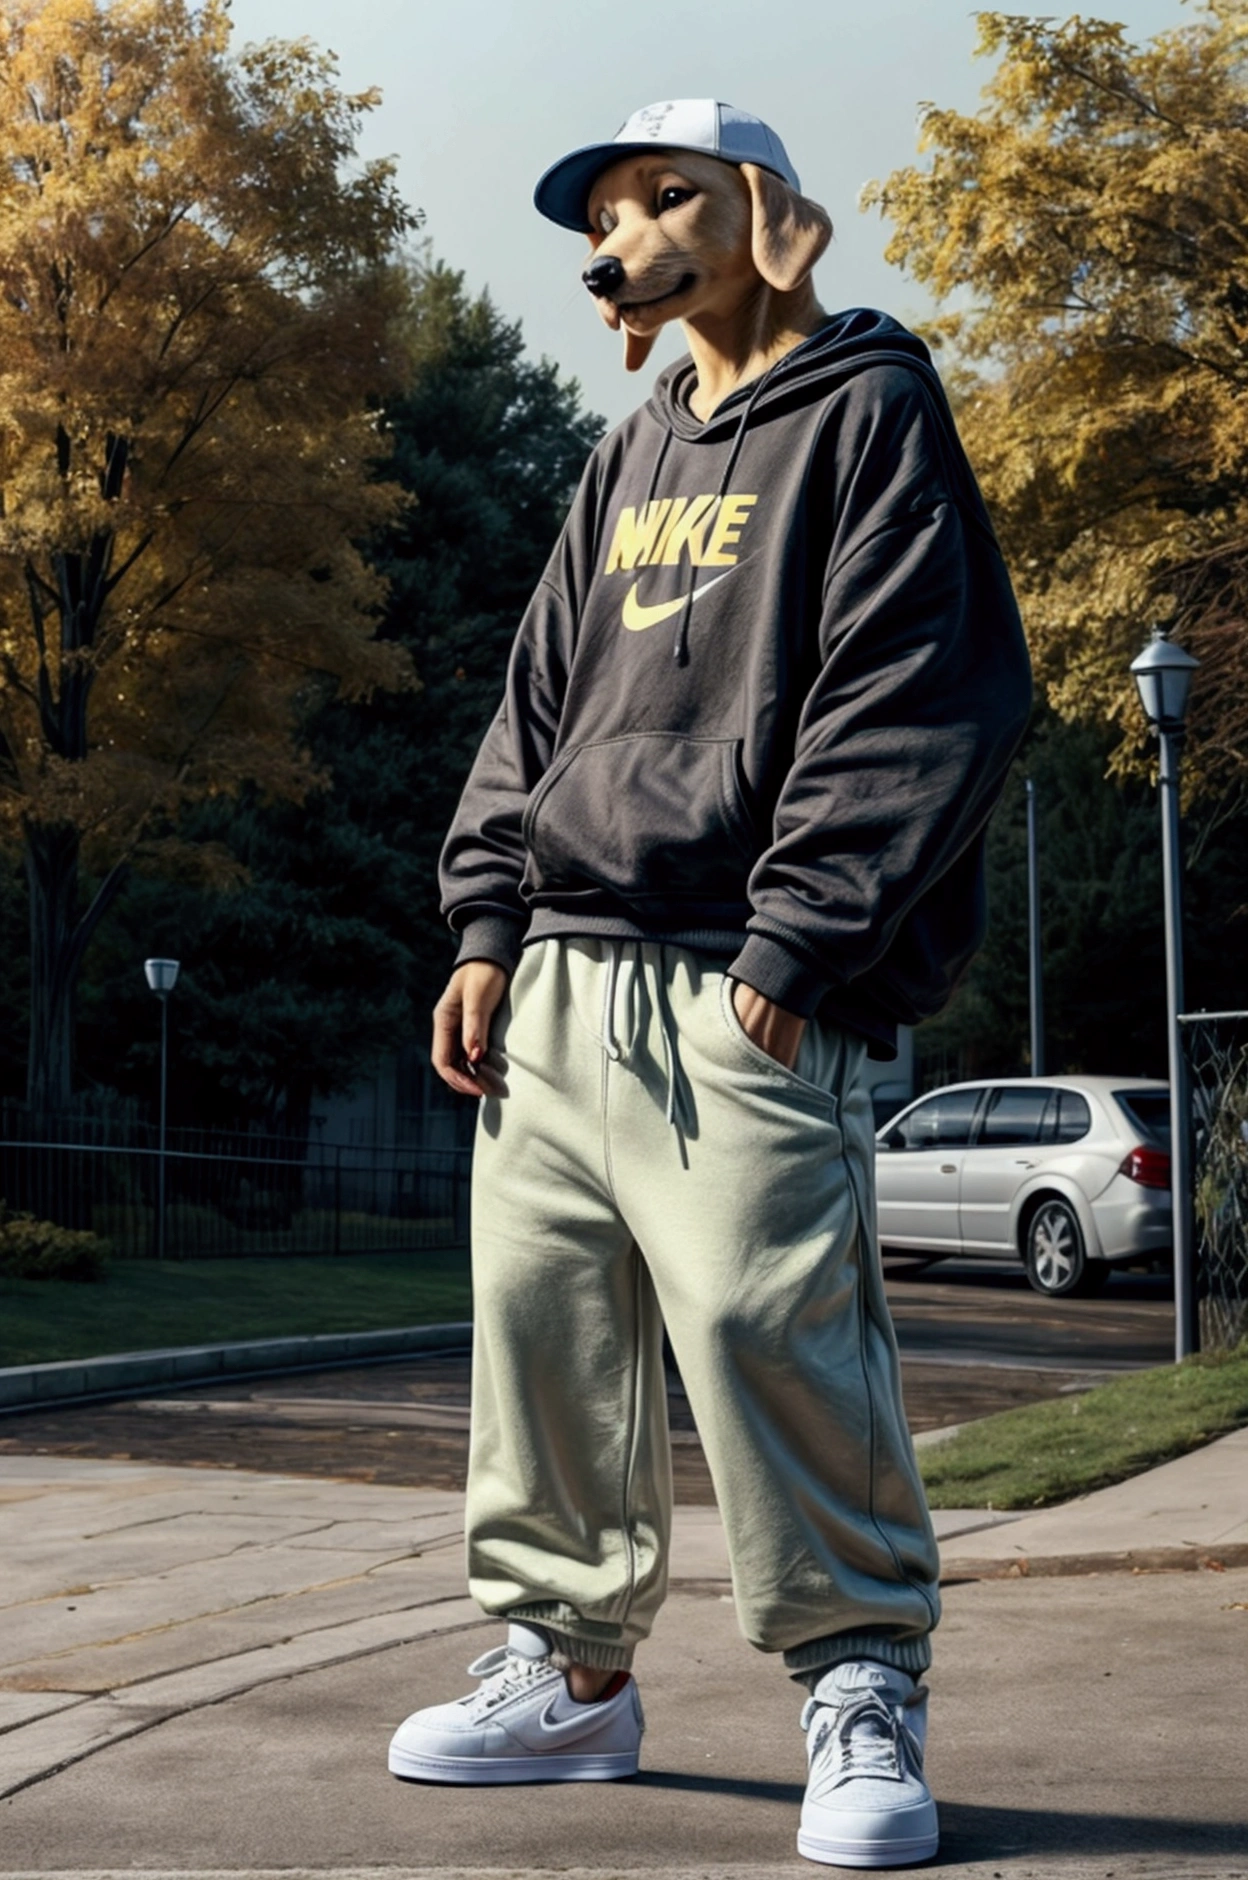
column 604, row 277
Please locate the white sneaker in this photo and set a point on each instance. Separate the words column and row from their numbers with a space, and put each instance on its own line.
column 522, row 1724
column 867, row 1804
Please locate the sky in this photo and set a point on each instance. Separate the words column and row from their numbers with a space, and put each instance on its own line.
column 479, row 96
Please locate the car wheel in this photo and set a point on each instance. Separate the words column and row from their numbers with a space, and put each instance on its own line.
column 1055, row 1256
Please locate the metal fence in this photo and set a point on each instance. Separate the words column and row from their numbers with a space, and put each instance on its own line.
column 229, row 1196
column 1216, row 1047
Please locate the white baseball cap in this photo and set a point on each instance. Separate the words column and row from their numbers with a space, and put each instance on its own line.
column 701, row 124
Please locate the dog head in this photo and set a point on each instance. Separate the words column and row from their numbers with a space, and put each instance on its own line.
column 681, row 236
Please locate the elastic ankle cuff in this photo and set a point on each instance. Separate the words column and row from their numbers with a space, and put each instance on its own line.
column 807, row 1663
column 578, row 1651
column 569, row 1647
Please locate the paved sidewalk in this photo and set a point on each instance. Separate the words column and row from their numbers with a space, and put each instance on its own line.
column 1189, row 1513
column 199, row 1671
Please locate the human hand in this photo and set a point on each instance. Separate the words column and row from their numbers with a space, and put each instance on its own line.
column 768, row 1025
column 461, row 1030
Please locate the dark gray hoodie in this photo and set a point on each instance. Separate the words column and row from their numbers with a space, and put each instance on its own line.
column 765, row 696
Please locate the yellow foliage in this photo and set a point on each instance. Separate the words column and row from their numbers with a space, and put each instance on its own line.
column 1087, row 231
column 197, row 312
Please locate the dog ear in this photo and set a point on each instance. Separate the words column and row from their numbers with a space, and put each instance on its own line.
column 789, row 232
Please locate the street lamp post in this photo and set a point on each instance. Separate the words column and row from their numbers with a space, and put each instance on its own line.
column 1034, row 964
column 1163, row 673
column 162, row 977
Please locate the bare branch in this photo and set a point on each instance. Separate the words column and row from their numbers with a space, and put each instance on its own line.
column 140, row 253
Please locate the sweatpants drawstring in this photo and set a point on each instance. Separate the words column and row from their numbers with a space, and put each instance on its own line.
column 642, row 973
column 610, row 1043
column 675, row 1107
column 667, row 1031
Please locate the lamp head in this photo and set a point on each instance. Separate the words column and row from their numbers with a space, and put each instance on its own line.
column 162, row 976
column 1163, row 673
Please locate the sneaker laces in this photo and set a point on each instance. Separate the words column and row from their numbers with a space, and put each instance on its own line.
column 862, row 1736
column 503, row 1673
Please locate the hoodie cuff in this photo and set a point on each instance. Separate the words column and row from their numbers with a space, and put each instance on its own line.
column 779, row 975
column 492, row 937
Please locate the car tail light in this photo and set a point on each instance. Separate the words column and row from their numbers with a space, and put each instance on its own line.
column 1149, row 1167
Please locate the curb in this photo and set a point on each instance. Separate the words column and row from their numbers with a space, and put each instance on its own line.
column 954, row 1572
column 127, row 1373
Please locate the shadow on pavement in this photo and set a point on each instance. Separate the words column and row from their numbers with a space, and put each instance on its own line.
column 753, row 1790
column 970, row 1833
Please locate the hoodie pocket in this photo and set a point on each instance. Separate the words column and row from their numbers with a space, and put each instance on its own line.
column 651, row 818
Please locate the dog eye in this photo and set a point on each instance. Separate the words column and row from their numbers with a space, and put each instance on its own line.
column 672, row 197
column 606, row 221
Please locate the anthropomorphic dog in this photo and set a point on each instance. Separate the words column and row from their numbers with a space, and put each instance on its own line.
column 723, row 836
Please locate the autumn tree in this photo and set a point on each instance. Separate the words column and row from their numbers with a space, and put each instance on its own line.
column 1087, row 235
column 196, row 307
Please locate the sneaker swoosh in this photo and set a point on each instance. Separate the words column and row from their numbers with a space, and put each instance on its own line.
column 552, row 1731
column 637, row 617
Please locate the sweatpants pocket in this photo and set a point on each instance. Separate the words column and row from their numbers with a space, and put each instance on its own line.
column 818, row 1067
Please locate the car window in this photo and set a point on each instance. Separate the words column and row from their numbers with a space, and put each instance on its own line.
column 1014, row 1117
column 1074, row 1117
column 942, row 1122
column 1149, row 1110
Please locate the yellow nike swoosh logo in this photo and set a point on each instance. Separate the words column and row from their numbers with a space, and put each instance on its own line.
column 637, row 617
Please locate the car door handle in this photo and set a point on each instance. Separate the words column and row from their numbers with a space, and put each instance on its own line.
column 948, row 1168
column 1022, row 1162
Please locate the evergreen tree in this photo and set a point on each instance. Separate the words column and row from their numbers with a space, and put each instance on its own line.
column 491, row 445
column 331, row 948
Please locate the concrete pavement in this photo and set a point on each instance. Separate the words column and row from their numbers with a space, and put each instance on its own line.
column 199, row 1671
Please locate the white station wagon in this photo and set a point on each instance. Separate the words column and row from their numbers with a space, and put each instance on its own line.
column 1071, row 1174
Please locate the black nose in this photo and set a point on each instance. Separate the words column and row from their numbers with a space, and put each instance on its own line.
column 604, row 277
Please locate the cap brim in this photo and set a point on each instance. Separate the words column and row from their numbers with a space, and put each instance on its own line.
column 562, row 192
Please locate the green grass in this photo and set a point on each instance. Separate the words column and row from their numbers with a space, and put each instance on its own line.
column 1048, row 1452
column 192, row 1230
column 145, row 1303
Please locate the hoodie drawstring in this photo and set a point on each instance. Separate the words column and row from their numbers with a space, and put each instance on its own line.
column 680, row 649
column 656, row 469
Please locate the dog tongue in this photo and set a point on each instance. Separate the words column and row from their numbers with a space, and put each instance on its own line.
column 637, row 349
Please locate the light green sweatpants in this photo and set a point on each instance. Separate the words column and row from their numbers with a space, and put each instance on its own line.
column 651, row 1164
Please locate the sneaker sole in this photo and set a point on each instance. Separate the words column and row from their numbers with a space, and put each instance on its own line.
column 900, row 1851
column 486, row 1770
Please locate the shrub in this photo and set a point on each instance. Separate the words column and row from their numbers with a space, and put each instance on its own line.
column 31, row 1249
column 129, row 1226
column 196, row 1232
column 259, row 1210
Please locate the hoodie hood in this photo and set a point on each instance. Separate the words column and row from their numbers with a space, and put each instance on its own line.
column 845, row 344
